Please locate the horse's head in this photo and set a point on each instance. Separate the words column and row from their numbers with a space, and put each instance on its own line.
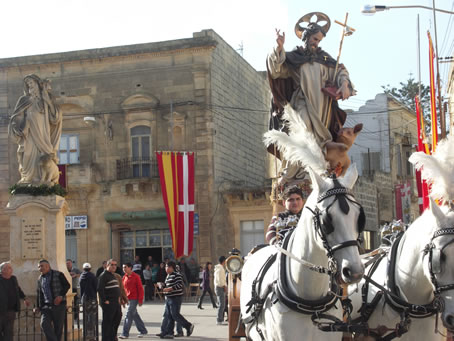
column 338, row 220
column 440, row 264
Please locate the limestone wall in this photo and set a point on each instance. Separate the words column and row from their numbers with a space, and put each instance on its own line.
column 238, row 111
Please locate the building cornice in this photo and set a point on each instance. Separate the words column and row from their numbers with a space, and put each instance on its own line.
column 158, row 49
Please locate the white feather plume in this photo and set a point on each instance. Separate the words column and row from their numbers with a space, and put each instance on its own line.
column 438, row 169
column 300, row 145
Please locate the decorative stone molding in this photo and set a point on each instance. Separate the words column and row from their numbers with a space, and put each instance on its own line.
column 53, row 203
column 140, row 102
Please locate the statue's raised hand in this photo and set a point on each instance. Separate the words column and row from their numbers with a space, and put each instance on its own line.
column 280, row 39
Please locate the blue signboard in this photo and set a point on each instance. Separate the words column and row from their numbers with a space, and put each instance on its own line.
column 196, row 224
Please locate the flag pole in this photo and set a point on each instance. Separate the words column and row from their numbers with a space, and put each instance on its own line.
column 442, row 116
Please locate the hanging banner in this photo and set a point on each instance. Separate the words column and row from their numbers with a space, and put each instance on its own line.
column 423, row 198
column 403, row 201
column 185, row 236
column 433, row 99
column 62, row 176
column 176, row 173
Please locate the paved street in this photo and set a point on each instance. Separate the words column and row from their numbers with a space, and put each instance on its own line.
column 204, row 321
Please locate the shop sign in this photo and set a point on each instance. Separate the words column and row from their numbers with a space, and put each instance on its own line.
column 76, row 222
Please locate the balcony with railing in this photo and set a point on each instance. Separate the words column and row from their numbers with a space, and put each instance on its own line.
column 133, row 168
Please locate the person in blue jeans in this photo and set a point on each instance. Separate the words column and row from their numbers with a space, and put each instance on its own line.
column 134, row 291
column 220, row 285
column 173, row 290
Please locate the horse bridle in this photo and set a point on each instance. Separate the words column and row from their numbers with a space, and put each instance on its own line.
column 322, row 219
column 435, row 257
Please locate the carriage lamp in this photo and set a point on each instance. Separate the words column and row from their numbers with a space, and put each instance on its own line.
column 234, row 264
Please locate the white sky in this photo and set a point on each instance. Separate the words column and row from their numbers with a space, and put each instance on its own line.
column 383, row 50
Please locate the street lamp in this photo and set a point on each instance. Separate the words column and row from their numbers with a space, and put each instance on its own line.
column 372, row 9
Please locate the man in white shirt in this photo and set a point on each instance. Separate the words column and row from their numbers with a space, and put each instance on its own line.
column 220, row 287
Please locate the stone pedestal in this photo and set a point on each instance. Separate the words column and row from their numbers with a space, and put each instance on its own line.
column 37, row 230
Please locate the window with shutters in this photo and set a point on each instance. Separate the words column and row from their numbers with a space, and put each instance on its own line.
column 68, row 152
column 371, row 162
column 141, row 151
column 252, row 233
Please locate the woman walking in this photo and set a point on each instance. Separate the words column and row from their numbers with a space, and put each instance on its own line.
column 206, row 286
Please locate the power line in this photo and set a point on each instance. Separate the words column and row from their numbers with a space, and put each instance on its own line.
column 445, row 38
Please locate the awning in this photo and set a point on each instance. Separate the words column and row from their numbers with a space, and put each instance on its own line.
column 154, row 219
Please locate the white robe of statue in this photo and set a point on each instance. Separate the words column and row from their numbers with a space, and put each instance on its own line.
column 36, row 126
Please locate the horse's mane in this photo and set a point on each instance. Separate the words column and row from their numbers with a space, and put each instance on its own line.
column 438, row 169
column 300, row 145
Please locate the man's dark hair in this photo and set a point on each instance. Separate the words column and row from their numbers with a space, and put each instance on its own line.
column 311, row 29
column 172, row 264
column 129, row 265
column 43, row 261
column 293, row 190
column 221, row 259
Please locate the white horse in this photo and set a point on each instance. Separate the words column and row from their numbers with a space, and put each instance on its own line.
column 420, row 272
column 426, row 249
column 328, row 225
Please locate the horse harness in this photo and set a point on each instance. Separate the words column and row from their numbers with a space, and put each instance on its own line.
column 392, row 295
column 323, row 221
column 435, row 258
column 323, row 225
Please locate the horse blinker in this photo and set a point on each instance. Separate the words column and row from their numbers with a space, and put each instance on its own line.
column 327, row 223
column 436, row 260
column 361, row 220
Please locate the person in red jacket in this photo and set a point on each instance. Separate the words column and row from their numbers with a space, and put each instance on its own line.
column 134, row 291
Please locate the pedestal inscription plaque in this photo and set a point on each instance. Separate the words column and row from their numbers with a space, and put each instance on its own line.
column 32, row 238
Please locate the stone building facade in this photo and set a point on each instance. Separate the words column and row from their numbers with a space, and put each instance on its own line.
column 120, row 106
column 381, row 152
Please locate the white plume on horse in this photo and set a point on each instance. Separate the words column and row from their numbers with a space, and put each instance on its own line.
column 300, row 145
column 437, row 168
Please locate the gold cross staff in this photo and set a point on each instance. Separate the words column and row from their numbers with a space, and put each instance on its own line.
column 347, row 31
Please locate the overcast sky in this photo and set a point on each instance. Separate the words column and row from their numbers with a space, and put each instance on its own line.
column 383, row 50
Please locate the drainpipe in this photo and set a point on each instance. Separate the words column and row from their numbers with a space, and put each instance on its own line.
column 110, row 242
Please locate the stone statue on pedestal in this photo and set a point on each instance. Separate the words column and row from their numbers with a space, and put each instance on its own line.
column 36, row 125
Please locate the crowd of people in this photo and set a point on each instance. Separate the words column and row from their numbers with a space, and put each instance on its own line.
column 114, row 288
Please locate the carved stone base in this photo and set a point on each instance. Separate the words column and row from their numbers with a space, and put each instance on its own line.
column 37, row 231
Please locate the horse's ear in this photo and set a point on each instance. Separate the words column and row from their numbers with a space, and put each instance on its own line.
column 317, row 180
column 437, row 212
column 350, row 177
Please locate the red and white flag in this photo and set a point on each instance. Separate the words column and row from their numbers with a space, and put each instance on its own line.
column 185, row 167
column 176, row 172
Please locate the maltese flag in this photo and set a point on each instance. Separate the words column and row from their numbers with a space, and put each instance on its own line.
column 185, row 234
column 176, row 172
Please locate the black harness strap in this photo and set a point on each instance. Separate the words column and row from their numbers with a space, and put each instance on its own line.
column 367, row 309
column 257, row 299
column 294, row 302
column 392, row 295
